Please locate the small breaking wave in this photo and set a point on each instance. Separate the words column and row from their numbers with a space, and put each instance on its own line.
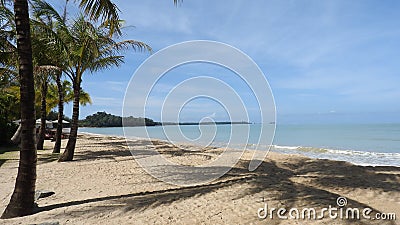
column 356, row 157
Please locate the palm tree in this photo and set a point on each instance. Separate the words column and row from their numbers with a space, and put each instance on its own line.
column 91, row 48
column 43, row 74
column 68, row 95
column 49, row 24
column 57, row 95
column 43, row 82
column 61, row 95
column 45, row 46
column 22, row 199
column 57, row 144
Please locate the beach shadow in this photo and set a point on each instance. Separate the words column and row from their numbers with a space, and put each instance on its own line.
column 143, row 200
column 2, row 161
column 271, row 180
column 277, row 179
column 299, row 182
column 120, row 149
column 8, row 153
column 346, row 175
column 44, row 158
column 102, row 154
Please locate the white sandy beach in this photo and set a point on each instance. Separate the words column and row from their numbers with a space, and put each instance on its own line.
column 104, row 185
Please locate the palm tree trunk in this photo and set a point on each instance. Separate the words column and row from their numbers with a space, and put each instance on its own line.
column 68, row 154
column 57, row 145
column 42, row 131
column 22, row 199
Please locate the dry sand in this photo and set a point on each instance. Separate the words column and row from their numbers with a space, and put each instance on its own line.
column 104, row 185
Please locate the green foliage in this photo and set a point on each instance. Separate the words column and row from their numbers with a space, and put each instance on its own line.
column 68, row 92
column 85, row 43
column 7, row 130
column 134, row 122
column 9, row 107
column 103, row 119
column 7, row 115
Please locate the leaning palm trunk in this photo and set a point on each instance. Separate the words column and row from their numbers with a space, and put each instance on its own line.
column 22, row 199
column 57, row 145
column 42, row 131
column 92, row 48
column 68, row 154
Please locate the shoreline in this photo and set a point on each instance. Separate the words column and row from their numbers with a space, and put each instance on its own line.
column 357, row 157
column 104, row 184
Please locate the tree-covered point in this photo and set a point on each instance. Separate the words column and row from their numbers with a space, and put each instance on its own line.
column 103, row 119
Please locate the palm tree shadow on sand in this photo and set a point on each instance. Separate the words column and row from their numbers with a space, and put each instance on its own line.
column 277, row 181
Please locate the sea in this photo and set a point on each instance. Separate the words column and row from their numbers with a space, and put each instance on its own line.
column 361, row 144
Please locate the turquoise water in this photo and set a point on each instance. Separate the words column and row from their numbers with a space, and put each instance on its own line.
column 362, row 144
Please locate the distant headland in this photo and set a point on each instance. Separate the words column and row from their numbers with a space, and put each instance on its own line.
column 103, row 119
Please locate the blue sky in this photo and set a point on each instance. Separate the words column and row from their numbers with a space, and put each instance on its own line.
column 326, row 61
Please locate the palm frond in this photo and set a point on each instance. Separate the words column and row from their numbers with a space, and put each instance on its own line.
column 127, row 44
column 106, row 62
column 7, row 26
column 9, row 72
column 85, row 98
column 42, row 8
column 105, row 10
column 96, row 9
